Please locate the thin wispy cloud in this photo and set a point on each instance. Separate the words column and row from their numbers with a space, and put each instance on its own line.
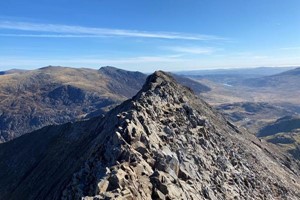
column 59, row 30
column 132, row 60
column 192, row 50
column 142, row 63
column 15, row 61
column 52, row 35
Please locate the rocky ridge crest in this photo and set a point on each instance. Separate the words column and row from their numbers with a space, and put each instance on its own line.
column 165, row 143
column 30, row 100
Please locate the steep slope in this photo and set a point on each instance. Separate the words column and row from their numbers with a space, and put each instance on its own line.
column 54, row 95
column 194, row 85
column 284, row 132
column 285, row 80
column 164, row 143
column 123, row 77
column 287, row 141
column 284, row 124
column 40, row 163
column 120, row 77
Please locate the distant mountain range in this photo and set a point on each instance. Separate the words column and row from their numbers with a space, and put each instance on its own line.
column 12, row 71
column 235, row 77
column 287, row 80
column 51, row 95
column 32, row 99
column 260, row 71
column 259, row 103
column 55, row 95
column 163, row 143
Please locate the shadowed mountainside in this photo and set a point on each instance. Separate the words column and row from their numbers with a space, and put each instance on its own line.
column 286, row 80
column 164, row 143
column 285, row 124
column 54, row 95
column 285, row 133
column 254, row 115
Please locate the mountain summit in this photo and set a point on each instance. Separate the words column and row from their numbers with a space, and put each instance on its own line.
column 30, row 100
column 164, row 143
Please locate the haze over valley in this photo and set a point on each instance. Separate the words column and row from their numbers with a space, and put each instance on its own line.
column 67, row 94
column 142, row 100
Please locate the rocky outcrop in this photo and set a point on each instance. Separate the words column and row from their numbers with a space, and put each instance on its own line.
column 55, row 95
column 164, row 143
column 32, row 99
column 168, row 144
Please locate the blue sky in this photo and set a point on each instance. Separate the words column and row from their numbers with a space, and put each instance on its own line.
column 149, row 35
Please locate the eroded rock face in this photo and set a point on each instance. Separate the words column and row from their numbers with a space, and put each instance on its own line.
column 30, row 100
column 164, row 143
column 167, row 144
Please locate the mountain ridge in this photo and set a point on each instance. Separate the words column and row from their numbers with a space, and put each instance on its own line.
column 56, row 95
column 284, row 80
column 164, row 143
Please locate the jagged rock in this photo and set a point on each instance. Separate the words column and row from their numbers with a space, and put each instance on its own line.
column 186, row 150
column 205, row 152
column 158, row 195
column 183, row 174
column 102, row 186
column 52, row 95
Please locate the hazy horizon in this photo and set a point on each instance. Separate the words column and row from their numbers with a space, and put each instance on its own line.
column 150, row 35
column 175, row 71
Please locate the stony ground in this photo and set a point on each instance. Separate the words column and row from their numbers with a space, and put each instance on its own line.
column 164, row 143
column 167, row 144
column 30, row 100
